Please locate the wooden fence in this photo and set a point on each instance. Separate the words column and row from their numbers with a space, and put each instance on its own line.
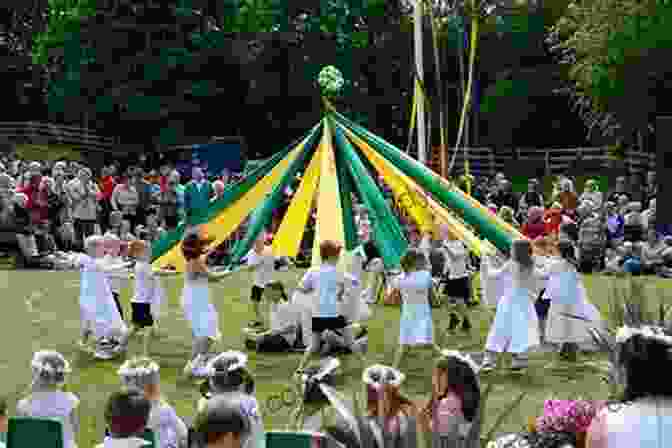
column 47, row 133
column 486, row 162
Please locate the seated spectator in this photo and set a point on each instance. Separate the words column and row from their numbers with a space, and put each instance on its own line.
column 615, row 225
column 632, row 223
column 534, row 226
column 225, row 423
column 3, row 422
column 590, row 237
column 652, row 253
column 25, row 232
column 567, row 198
column 47, row 398
column 142, row 374
column 126, row 415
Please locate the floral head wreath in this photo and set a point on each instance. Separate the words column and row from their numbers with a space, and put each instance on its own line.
column 137, row 372
column 445, row 354
column 378, row 374
column 236, row 361
column 40, row 365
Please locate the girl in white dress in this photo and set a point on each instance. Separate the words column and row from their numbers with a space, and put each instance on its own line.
column 47, row 398
column 99, row 312
column 415, row 326
column 148, row 295
column 142, row 374
column 196, row 305
column 516, row 327
column 568, row 298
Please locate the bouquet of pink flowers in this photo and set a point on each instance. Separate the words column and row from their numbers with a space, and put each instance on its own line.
column 572, row 416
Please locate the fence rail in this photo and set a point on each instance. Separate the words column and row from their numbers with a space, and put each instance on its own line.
column 486, row 162
column 48, row 133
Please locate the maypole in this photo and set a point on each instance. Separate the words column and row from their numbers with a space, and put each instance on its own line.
column 419, row 81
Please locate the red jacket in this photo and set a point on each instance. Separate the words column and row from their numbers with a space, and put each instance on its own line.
column 107, row 185
column 37, row 200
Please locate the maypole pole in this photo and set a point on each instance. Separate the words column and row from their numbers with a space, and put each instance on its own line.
column 419, row 81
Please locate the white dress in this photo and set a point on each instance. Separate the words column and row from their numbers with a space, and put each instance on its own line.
column 568, row 295
column 96, row 301
column 494, row 283
column 516, row 323
column 645, row 423
column 198, row 310
column 58, row 405
column 415, row 326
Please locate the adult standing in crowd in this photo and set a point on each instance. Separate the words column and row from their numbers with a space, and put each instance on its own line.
column 504, row 196
column 107, row 186
column 84, row 193
column 530, row 199
column 169, row 202
column 125, row 199
column 197, row 196
column 144, row 190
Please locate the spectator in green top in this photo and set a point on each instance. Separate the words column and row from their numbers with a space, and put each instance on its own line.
column 197, row 197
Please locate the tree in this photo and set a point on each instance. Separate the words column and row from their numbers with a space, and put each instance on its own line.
column 617, row 56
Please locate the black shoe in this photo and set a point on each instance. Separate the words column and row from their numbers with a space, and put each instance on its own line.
column 466, row 325
column 250, row 344
column 454, row 322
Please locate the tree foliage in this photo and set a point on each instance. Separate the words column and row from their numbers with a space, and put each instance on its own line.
column 617, row 53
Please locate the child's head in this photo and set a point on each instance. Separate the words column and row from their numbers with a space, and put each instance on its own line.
column 413, row 260
column 330, row 251
column 382, row 384
column 219, row 188
column 139, row 250
column 194, row 246
column 94, row 246
column 141, row 374
column 456, row 373
column 21, row 199
column 126, row 413
column 228, row 372
column 506, row 213
column 112, row 244
column 115, row 219
column 50, row 369
column 224, row 422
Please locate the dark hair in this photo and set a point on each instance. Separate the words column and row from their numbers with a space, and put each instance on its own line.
column 461, row 381
column 647, row 362
column 222, row 415
column 126, row 413
column 568, row 252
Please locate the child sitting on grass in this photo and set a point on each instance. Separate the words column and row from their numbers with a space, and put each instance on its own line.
column 47, row 398
column 142, row 374
column 126, row 415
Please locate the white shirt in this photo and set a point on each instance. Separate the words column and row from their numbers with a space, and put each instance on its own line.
column 131, row 442
column 116, row 277
column 264, row 266
column 58, row 405
column 414, row 287
column 146, row 283
column 457, row 258
column 330, row 287
column 283, row 316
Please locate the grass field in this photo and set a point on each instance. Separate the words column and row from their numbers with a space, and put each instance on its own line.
column 41, row 312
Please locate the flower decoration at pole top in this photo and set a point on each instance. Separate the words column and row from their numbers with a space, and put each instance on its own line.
column 331, row 81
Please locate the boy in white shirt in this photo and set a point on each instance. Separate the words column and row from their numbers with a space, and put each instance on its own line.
column 116, row 276
column 330, row 286
column 262, row 261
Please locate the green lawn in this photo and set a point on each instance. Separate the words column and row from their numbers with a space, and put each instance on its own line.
column 53, row 323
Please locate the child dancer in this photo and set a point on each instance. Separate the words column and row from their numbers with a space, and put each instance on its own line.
column 515, row 327
column 366, row 258
column 142, row 374
column 47, row 399
column 198, row 310
column 99, row 312
column 113, row 259
column 568, row 298
column 457, row 287
column 262, row 261
column 415, row 327
column 149, row 294
column 330, row 286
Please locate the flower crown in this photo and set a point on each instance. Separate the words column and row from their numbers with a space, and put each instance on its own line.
column 38, row 363
column 656, row 333
column 378, row 374
column 464, row 358
column 138, row 368
column 238, row 361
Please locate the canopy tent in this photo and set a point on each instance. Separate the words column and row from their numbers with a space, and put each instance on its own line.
column 336, row 158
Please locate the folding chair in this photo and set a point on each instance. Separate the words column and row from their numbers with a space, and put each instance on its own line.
column 29, row 431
